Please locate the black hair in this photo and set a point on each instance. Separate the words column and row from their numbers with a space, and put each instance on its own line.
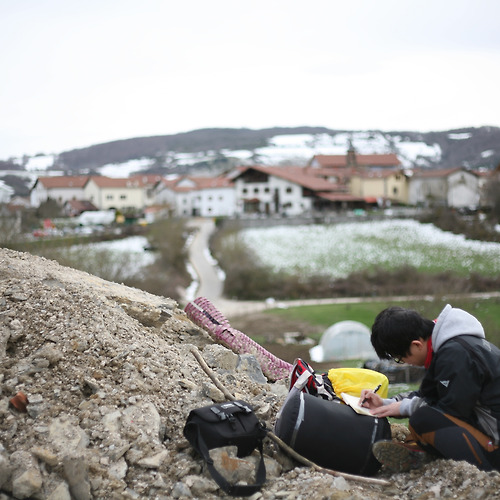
column 395, row 328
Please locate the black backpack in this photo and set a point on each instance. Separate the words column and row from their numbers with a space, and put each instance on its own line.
column 227, row 424
column 330, row 433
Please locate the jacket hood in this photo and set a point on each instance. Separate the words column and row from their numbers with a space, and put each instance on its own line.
column 453, row 322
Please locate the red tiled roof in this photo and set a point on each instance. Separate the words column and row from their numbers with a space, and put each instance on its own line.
column 197, row 183
column 200, row 183
column 436, row 172
column 63, row 181
column 297, row 175
column 169, row 183
column 378, row 160
column 146, row 179
column 340, row 172
column 112, row 182
column 211, row 182
column 376, row 174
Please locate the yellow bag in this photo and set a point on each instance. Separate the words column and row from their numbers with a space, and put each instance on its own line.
column 353, row 380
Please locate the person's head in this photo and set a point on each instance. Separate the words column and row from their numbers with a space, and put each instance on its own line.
column 401, row 333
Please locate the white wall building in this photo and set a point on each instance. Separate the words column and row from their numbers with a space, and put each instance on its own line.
column 463, row 190
column 456, row 187
column 198, row 196
column 6, row 192
column 60, row 189
column 110, row 193
column 288, row 191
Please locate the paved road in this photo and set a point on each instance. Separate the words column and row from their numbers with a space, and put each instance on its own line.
column 210, row 278
column 211, row 283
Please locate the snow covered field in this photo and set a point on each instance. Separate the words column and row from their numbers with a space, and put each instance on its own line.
column 118, row 259
column 338, row 250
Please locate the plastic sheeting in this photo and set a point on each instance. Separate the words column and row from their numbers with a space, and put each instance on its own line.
column 344, row 340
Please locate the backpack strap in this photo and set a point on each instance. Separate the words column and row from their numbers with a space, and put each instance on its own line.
column 232, row 489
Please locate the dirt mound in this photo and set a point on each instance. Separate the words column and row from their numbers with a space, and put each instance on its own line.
column 110, row 379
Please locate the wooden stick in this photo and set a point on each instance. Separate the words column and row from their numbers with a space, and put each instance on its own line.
column 306, row 461
column 281, row 443
column 211, row 374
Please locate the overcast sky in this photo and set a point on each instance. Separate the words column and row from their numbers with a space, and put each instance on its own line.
column 76, row 73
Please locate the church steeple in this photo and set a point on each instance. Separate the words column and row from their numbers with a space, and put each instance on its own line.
column 351, row 155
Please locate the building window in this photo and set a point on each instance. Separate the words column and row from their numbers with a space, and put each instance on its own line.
column 256, row 190
column 267, row 190
column 244, row 190
column 109, row 196
column 123, row 197
column 289, row 190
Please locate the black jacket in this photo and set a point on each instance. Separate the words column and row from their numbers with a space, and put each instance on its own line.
column 463, row 378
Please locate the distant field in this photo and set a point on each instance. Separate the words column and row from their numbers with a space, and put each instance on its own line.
column 487, row 311
column 341, row 249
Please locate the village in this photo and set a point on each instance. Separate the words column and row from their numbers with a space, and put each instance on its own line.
column 327, row 184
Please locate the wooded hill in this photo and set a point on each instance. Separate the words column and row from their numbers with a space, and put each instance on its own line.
column 479, row 148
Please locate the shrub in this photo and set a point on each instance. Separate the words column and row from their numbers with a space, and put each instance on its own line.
column 248, row 279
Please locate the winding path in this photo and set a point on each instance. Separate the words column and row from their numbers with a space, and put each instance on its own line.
column 211, row 284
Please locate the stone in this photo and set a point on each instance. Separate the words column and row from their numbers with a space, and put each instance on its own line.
column 27, row 484
column 180, row 490
column 61, row 492
column 154, row 461
column 119, row 468
column 249, row 365
column 76, row 474
column 141, row 419
column 218, row 356
column 45, row 456
column 5, row 469
column 4, row 339
column 65, row 433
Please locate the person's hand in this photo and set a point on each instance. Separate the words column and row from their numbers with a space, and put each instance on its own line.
column 390, row 410
column 370, row 399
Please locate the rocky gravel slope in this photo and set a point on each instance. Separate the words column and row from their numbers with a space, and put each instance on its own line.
column 110, row 378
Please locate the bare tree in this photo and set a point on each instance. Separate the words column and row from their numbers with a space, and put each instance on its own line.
column 492, row 195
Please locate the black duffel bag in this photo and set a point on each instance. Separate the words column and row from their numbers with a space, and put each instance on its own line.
column 331, row 434
column 227, row 424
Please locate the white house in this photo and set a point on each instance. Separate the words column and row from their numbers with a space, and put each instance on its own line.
column 453, row 187
column 214, row 197
column 288, row 191
column 60, row 189
column 6, row 192
column 104, row 192
column 148, row 183
column 110, row 193
column 463, row 189
column 198, row 196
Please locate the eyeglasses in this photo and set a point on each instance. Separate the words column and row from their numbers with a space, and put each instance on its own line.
column 398, row 359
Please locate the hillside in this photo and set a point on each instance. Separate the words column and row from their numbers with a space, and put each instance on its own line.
column 472, row 147
column 110, row 380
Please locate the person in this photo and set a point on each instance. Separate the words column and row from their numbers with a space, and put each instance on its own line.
column 455, row 414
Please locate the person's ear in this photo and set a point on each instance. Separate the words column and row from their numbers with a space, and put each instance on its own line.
column 419, row 344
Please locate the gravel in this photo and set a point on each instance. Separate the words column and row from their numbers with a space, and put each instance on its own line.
column 110, row 379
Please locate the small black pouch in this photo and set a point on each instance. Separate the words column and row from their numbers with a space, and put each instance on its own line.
column 227, row 424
